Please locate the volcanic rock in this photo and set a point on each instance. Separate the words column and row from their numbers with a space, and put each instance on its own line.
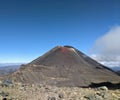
column 64, row 66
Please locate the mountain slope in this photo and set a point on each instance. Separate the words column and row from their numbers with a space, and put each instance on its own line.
column 65, row 66
column 118, row 72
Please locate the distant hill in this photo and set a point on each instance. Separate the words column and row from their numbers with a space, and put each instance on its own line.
column 64, row 66
column 115, row 68
column 7, row 68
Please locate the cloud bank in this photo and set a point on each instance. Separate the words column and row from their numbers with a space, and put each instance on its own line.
column 107, row 48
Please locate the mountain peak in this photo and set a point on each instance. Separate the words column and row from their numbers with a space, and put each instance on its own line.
column 65, row 66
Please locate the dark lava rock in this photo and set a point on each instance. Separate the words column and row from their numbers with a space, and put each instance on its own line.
column 51, row 98
column 61, row 95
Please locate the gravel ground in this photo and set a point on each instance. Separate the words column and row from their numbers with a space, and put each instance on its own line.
column 43, row 92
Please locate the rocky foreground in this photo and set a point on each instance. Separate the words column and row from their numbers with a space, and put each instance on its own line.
column 19, row 91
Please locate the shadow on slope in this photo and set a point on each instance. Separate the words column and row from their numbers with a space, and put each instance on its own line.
column 107, row 84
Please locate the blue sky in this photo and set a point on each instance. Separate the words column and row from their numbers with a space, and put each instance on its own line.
column 29, row 28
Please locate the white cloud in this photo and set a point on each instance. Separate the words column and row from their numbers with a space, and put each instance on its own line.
column 107, row 48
